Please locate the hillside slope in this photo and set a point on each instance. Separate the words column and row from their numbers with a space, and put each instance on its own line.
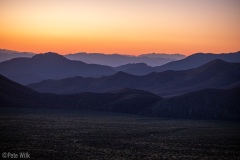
column 204, row 104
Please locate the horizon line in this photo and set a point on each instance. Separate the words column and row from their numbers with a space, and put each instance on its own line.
column 125, row 54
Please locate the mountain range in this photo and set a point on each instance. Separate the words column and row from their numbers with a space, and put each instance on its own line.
column 53, row 66
column 190, row 62
column 202, row 86
column 49, row 66
column 126, row 100
column 114, row 60
column 204, row 104
column 9, row 54
column 215, row 74
column 198, row 59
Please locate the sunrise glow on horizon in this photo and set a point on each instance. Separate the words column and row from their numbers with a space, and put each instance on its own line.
column 120, row 26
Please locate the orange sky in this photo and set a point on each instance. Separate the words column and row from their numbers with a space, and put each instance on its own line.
column 120, row 26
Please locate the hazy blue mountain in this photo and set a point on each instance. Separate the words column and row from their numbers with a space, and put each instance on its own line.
column 49, row 66
column 135, row 68
column 198, row 59
column 115, row 60
column 152, row 59
column 163, row 55
column 193, row 61
column 215, row 74
column 9, row 54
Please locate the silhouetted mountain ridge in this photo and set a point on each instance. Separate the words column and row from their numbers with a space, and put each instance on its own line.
column 9, row 54
column 115, row 60
column 49, row 66
column 205, row 104
column 215, row 74
column 49, row 56
column 126, row 100
column 198, row 59
column 53, row 66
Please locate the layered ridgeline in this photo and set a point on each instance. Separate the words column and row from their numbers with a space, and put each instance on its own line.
column 198, row 59
column 190, row 62
column 126, row 100
column 114, row 60
column 49, row 66
column 162, row 62
column 205, row 104
column 54, row 66
column 9, row 54
column 215, row 74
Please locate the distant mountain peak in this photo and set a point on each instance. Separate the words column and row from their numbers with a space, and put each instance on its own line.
column 218, row 61
column 53, row 53
column 49, row 56
column 176, row 56
column 216, row 65
column 215, row 62
column 134, row 65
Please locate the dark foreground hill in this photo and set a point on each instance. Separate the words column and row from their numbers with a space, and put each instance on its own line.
column 126, row 100
column 209, row 103
column 215, row 74
column 205, row 104
column 49, row 66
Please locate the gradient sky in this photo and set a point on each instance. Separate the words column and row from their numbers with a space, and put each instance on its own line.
column 120, row 26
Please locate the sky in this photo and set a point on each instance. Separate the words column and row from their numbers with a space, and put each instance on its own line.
column 120, row 26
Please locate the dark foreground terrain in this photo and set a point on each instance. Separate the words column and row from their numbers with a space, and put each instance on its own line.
column 71, row 134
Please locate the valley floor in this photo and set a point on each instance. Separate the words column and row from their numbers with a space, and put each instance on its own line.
column 71, row 134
